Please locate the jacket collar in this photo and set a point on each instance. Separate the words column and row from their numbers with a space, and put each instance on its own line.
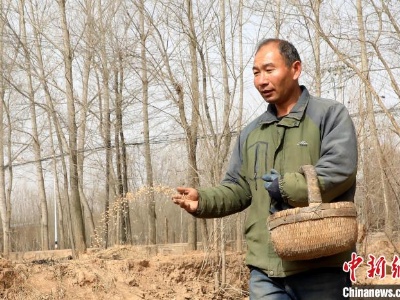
column 295, row 114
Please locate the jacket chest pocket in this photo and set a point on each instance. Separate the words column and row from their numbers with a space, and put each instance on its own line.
column 296, row 155
column 257, row 162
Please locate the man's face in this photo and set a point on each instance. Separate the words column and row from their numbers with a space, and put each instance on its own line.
column 272, row 77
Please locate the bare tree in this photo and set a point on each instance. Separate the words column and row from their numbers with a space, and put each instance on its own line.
column 313, row 36
column 4, row 212
column 61, row 140
column 191, row 129
column 371, row 119
column 125, row 235
column 146, row 129
column 10, row 170
column 75, row 217
column 239, row 227
column 35, row 134
column 89, row 38
column 106, row 12
column 59, row 238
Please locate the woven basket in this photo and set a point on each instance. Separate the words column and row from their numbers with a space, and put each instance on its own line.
column 321, row 229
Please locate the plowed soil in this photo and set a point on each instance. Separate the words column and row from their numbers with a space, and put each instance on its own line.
column 124, row 272
column 129, row 272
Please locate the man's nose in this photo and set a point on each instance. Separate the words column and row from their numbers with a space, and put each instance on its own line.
column 263, row 78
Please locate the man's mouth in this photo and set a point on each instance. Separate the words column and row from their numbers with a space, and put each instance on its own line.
column 266, row 93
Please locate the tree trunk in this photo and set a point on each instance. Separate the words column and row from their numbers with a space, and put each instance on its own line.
column 192, row 131
column 62, row 143
column 372, row 124
column 226, row 136
column 10, row 174
column 239, row 227
column 120, row 148
column 76, row 217
column 58, row 215
column 105, row 100
column 44, row 226
column 146, row 129
column 316, row 43
column 87, row 63
column 5, row 214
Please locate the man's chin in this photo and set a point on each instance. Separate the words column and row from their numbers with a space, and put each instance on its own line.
column 269, row 100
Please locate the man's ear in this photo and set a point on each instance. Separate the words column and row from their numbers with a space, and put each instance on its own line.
column 296, row 69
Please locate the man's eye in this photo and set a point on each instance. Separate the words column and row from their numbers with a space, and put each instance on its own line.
column 256, row 73
column 269, row 70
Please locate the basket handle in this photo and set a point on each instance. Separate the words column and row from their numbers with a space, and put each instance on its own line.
column 314, row 194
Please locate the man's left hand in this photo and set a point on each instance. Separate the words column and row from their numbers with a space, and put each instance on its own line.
column 270, row 177
column 272, row 186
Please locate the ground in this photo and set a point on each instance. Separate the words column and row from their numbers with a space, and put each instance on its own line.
column 122, row 272
column 130, row 272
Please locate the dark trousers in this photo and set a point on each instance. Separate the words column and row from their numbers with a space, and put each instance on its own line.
column 318, row 284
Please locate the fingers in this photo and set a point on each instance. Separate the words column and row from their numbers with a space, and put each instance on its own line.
column 179, row 199
column 187, row 193
column 267, row 177
column 182, row 190
column 187, row 198
column 271, row 175
column 186, row 204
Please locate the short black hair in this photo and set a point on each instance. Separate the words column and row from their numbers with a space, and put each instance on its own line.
column 286, row 49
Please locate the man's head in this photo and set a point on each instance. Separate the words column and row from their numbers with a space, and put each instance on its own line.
column 286, row 49
column 276, row 69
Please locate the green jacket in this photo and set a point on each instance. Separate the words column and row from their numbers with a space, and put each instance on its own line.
column 318, row 132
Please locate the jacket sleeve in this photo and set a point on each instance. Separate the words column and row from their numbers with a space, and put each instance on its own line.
column 337, row 165
column 232, row 195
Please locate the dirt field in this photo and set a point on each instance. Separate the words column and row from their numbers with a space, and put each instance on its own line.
column 124, row 272
column 128, row 272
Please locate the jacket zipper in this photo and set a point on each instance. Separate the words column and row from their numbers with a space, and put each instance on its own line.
column 256, row 166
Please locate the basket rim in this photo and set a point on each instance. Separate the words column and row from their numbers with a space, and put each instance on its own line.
column 309, row 213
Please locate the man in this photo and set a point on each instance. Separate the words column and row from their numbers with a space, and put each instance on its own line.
column 297, row 129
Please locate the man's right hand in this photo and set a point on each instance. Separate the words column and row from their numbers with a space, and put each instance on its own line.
column 187, row 198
